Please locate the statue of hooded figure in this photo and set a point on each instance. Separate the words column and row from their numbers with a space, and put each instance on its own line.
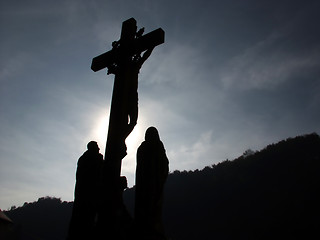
column 151, row 174
column 86, row 195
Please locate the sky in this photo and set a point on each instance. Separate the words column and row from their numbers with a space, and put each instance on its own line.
column 232, row 75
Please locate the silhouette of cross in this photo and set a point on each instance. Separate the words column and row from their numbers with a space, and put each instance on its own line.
column 121, row 60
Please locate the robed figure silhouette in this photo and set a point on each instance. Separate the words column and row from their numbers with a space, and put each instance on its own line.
column 86, row 195
column 151, row 174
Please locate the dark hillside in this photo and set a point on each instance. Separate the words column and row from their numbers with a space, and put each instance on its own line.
column 48, row 218
column 270, row 194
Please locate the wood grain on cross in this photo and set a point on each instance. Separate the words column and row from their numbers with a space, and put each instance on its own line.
column 120, row 61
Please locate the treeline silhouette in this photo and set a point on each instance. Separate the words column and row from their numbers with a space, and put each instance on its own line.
column 268, row 194
column 48, row 218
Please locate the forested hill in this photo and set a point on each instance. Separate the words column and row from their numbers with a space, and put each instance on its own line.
column 270, row 194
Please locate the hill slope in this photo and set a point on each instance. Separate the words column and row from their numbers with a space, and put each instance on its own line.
column 48, row 218
column 269, row 194
column 273, row 192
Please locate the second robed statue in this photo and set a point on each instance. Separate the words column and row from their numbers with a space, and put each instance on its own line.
column 151, row 174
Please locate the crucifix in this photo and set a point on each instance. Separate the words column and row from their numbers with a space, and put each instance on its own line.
column 124, row 60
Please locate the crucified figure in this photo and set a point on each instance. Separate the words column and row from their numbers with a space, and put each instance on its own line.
column 134, row 70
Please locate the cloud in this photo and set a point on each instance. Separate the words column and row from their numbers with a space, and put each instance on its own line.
column 264, row 66
column 189, row 157
column 210, row 148
column 290, row 50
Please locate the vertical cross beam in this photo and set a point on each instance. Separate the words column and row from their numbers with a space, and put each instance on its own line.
column 115, row 147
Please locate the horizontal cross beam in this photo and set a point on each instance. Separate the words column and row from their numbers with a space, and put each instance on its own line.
column 139, row 45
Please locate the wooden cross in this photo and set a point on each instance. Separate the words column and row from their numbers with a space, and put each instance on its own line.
column 124, row 61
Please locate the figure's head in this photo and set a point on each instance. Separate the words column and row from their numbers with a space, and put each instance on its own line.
column 93, row 146
column 152, row 135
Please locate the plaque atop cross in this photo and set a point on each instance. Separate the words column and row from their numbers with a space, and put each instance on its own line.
column 124, row 60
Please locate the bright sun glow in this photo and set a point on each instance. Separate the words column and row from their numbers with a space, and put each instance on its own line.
column 135, row 138
column 99, row 134
column 133, row 141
